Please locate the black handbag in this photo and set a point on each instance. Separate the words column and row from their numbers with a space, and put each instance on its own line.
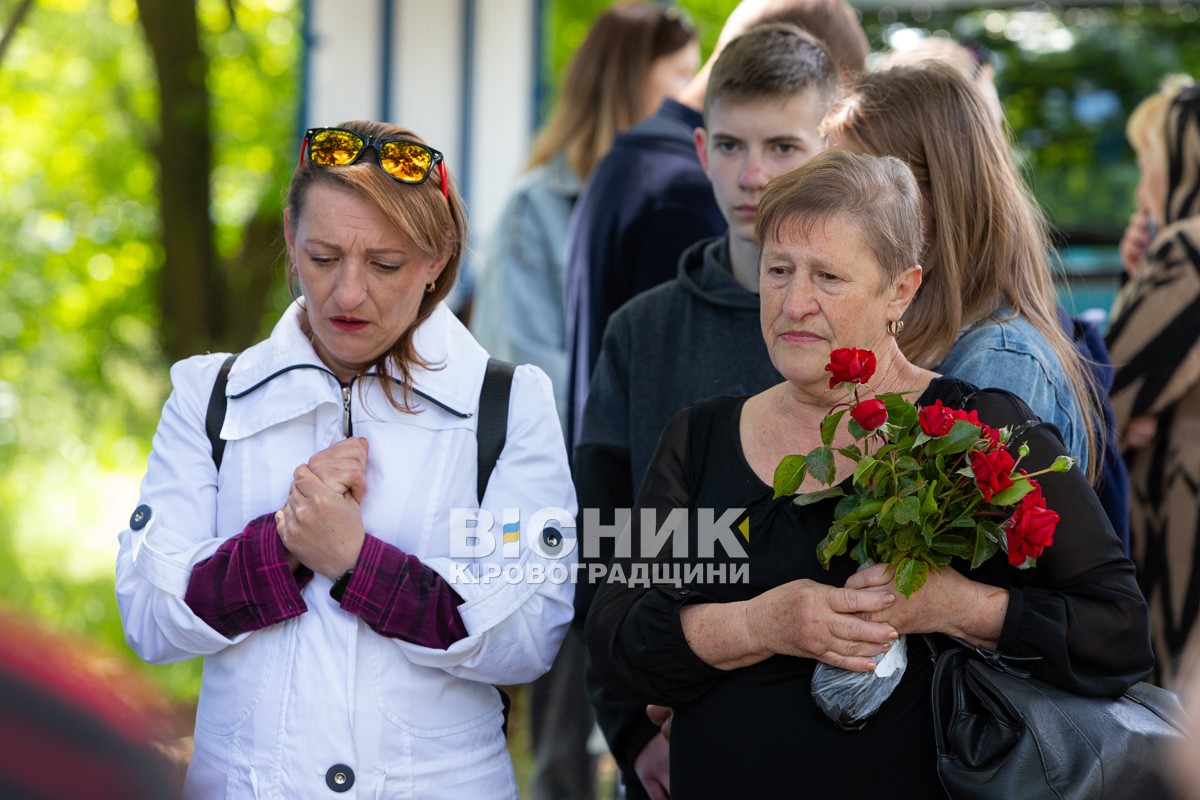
column 1002, row 734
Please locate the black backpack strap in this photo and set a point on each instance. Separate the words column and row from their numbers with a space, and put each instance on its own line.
column 214, row 420
column 493, row 418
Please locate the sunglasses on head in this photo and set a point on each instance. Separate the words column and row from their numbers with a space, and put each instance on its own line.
column 405, row 160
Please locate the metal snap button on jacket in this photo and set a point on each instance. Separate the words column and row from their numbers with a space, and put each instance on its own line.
column 339, row 778
column 141, row 515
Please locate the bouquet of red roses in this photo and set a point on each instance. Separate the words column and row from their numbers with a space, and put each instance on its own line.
column 928, row 486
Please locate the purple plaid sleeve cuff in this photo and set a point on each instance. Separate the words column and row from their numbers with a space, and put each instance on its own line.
column 400, row 597
column 247, row 585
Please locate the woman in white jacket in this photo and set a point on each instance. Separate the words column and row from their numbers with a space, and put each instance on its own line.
column 354, row 604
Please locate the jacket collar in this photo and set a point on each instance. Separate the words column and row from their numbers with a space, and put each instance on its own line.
column 457, row 361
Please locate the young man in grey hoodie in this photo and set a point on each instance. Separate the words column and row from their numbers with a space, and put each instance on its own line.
column 698, row 335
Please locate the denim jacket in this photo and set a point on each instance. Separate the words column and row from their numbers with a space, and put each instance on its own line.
column 1009, row 353
column 517, row 313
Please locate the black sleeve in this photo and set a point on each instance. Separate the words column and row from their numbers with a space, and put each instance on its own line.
column 1080, row 607
column 633, row 631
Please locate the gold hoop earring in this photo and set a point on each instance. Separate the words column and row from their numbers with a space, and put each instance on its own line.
column 895, row 327
column 429, row 287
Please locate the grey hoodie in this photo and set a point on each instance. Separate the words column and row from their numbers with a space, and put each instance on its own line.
column 687, row 339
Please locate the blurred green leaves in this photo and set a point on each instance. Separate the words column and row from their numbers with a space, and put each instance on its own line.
column 82, row 372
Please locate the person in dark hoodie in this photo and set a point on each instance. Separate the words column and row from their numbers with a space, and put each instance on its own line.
column 697, row 335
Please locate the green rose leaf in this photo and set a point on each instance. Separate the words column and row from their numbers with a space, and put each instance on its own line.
column 820, row 464
column 954, row 545
column 829, row 425
column 985, row 548
column 856, row 430
column 1013, row 494
column 910, row 576
column 929, row 503
column 808, row 498
column 859, row 553
column 789, row 475
column 834, row 544
column 887, row 520
column 958, row 440
column 993, row 532
column 908, row 510
column 901, row 413
column 906, row 537
column 863, row 469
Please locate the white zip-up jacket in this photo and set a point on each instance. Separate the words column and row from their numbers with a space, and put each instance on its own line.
column 287, row 709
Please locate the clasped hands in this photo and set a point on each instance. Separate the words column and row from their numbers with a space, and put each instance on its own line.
column 321, row 524
column 846, row 627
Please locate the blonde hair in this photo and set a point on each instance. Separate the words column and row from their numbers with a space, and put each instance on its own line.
column 603, row 87
column 987, row 241
column 1146, row 128
column 437, row 225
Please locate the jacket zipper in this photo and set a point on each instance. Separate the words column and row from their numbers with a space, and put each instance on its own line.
column 347, row 425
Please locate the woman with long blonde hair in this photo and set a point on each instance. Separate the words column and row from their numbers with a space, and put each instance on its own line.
column 987, row 311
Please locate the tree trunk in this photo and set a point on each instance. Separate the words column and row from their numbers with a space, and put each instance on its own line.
column 190, row 287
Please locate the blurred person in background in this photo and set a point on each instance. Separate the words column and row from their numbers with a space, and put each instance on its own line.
column 1154, row 338
column 634, row 56
column 77, row 725
column 987, row 312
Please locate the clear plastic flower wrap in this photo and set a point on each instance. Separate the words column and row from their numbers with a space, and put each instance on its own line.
column 849, row 698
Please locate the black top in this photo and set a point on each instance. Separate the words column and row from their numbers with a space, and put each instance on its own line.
column 693, row 337
column 755, row 731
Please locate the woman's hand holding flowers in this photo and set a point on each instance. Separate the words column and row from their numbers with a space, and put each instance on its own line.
column 949, row 602
column 812, row 620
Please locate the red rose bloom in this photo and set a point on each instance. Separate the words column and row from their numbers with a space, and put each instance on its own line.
column 850, row 365
column 1031, row 529
column 936, row 420
column 971, row 416
column 870, row 414
column 992, row 471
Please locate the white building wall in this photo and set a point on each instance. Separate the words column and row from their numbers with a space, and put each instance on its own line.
column 461, row 73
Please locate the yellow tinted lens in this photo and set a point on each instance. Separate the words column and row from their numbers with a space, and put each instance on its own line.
column 334, row 148
column 406, row 161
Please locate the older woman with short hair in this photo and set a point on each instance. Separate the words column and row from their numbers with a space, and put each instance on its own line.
column 840, row 240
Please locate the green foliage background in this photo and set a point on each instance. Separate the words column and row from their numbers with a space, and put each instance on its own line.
column 82, row 372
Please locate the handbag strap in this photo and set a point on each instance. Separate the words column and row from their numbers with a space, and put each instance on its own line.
column 993, row 658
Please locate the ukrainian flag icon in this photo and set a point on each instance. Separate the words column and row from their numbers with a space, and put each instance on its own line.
column 511, row 547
